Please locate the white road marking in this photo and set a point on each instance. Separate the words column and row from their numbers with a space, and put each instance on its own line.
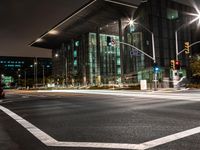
column 49, row 141
column 39, row 134
column 25, row 96
column 170, row 138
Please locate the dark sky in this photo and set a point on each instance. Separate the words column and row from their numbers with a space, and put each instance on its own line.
column 23, row 21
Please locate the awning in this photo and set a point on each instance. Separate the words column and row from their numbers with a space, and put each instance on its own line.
column 95, row 14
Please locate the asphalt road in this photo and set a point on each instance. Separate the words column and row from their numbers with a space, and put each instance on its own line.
column 100, row 118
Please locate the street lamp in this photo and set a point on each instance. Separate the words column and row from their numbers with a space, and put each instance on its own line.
column 35, row 72
column 57, row 55
column 131, row 23
column 197, row 18
column 43, row 76
column 19, row 75
column 1, row 78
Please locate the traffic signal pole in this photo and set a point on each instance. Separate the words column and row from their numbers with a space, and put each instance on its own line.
column 183, row 50
column 153, row 58
column 186, row 49
column 176, row 39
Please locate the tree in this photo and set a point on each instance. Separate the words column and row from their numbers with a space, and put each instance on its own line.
column 195, row 69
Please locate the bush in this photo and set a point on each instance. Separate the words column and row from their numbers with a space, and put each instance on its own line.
column 196, row 86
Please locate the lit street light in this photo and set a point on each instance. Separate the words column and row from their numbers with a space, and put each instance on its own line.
column 131, row 23
column 43, row 77
column 19, row 75
column 57, row 55
column 197, row 18
column 35, row 72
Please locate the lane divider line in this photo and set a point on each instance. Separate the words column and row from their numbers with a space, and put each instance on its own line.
column 50, row 141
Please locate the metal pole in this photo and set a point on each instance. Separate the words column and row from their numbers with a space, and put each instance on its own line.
column 176, row 39
column 137, row 49
column 154, row 60
column 36, row 72
column 19, row 80
column 66, row 70
column 43, row 75
column 153, row 47
column 25, row 78
column 154, row 53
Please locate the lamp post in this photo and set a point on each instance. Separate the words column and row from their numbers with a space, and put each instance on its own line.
column 176, row 72
column 43, row 76
column 176, row 35
column 65, row 58
column 35, row 73
column 25, row 79
column 19, row 75
column 132, row 22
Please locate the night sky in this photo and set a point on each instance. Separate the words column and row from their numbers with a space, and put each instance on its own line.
column 23, row 21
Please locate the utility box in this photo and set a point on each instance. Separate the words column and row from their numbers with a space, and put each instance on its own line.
column 143, row 84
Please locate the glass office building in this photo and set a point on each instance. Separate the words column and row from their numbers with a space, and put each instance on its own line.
column 85, row 55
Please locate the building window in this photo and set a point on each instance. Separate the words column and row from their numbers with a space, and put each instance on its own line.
column 75, row 62
column 68, row 47
column 172, row 14
column 118, row 61
column 77, row 43
column 132, row 28
column 75, row 53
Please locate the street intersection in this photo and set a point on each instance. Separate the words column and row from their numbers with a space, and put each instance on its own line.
column 82, row 119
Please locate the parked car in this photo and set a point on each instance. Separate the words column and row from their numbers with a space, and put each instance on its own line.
column 2, row 93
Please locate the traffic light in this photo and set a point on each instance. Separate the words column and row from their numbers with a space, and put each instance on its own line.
column 109, row 41
column 172, row 64
column 187, row 47
column 177, row 65
column 156, row 69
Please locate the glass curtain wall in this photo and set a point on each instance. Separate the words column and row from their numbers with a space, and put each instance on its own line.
column 134, row 66
column 92, row 61
column 110, row 59
column 110, row 63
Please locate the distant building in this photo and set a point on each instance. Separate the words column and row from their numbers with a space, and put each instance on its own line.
column 16, row 69
column 87, row 49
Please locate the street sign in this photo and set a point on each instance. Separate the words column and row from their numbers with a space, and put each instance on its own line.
column 134, row 52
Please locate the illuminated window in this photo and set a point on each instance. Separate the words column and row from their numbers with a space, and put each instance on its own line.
column 118, row 71
column 77, row 43
column 118, row 61
column 132, row 28
column 68, row 47
column 172, row 14
column 75, row 53
column 75, row 62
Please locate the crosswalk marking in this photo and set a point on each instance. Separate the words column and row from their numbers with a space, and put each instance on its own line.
column 50, row 141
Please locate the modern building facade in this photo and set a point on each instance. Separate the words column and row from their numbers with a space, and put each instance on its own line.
column 87, row 46
column 18, row 68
